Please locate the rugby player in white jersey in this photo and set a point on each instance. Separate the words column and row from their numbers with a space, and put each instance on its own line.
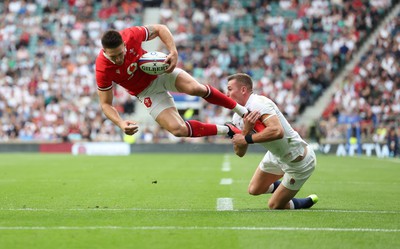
column 288, row 156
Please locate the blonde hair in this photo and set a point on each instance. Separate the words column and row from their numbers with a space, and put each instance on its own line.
column 242, row 78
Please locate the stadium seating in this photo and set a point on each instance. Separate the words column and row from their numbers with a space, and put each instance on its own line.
column 283, row 45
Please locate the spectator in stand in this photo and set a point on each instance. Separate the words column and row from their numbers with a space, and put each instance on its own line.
column 393, row 142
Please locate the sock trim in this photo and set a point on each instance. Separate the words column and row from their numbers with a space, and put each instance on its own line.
column 208, row 92
column 291, row 204
column 190, row 130
column 270, row 189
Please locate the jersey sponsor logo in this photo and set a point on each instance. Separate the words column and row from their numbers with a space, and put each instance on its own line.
column 147, row 102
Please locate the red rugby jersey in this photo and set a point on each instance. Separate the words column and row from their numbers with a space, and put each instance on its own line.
column 128, row 75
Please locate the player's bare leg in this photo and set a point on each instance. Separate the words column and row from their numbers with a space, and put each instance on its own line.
column 170, row 120
column 283, row 198
column 280, row 199
column 261, row 182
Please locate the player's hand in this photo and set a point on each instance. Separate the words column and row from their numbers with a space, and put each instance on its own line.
column 129, row 127
column 250, row 120
column 172, row 60
column 238, row 140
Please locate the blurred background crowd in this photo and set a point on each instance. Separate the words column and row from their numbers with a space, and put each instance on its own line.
column 292, row 49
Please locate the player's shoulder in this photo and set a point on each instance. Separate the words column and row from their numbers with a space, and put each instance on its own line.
column 134, row 30
column 102, row 64
column 135, row 35
column 256, row 99
column 100, row 60
column 261, row 103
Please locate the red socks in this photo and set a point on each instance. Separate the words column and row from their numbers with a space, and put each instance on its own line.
column 199, row 129
column 215, row 97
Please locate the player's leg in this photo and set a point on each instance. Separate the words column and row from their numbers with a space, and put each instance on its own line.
column 170, row 120
column 263, row 182
column 185, row 83
column 161, row 106
column 283, row 198
column 266, row 177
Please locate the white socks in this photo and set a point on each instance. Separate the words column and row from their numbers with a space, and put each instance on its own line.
column 241, row 110
column 270, row 189
column 222, row 129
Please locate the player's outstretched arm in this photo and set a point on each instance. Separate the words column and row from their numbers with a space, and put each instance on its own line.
column 273, row 130
column 165, row 35
column 127, row 126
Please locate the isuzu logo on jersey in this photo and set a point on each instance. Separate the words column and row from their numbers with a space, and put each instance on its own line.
column 147, row 102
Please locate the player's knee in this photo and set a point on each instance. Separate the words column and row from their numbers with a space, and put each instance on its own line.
column 179, row 131
column 275, row 205
column 253, row 190
column 197, row 89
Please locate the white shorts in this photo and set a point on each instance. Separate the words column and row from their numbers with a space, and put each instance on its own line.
column 156, row 97
column 294, row 174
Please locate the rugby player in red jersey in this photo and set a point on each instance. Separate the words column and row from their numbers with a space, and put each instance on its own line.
column 117, row 63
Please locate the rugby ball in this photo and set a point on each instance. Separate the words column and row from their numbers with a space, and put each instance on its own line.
column 153, row 63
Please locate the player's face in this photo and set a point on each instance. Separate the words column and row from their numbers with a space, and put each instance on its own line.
column 116, row 55
column 235, row 91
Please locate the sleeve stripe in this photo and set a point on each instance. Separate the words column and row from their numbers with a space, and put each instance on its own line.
column 147, row 33
column 269, row 117
column 104, row 88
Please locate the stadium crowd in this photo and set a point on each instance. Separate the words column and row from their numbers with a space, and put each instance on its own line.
column 293, row 50
column 368, row 100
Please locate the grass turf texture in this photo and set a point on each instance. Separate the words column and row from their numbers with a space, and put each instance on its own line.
column 169, row 201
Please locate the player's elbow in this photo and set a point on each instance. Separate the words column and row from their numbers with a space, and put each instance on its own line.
column 239, row 154
column 160, row 27
column 105, row 106
column 277, row 133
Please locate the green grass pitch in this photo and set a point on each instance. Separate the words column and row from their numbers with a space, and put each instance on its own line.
column 170, row 201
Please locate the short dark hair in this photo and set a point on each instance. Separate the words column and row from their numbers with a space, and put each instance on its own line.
column 111, row 39
column 243, row 78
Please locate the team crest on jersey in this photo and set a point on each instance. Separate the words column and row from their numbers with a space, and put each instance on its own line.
column 147, row 102
column 292, row 181
column 132, row 68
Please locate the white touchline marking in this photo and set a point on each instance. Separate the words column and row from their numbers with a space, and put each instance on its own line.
column 323, row 229
column 226, row 166
column 226, row 181
column 224, row 204
column 102, row 209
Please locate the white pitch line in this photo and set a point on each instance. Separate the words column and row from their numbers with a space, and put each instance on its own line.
column 224, row 204
column 226, row 166
column 191, row 210
column 322, row 229
column 226, row 181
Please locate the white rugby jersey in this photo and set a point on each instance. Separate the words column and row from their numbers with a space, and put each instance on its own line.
column 291, row 145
